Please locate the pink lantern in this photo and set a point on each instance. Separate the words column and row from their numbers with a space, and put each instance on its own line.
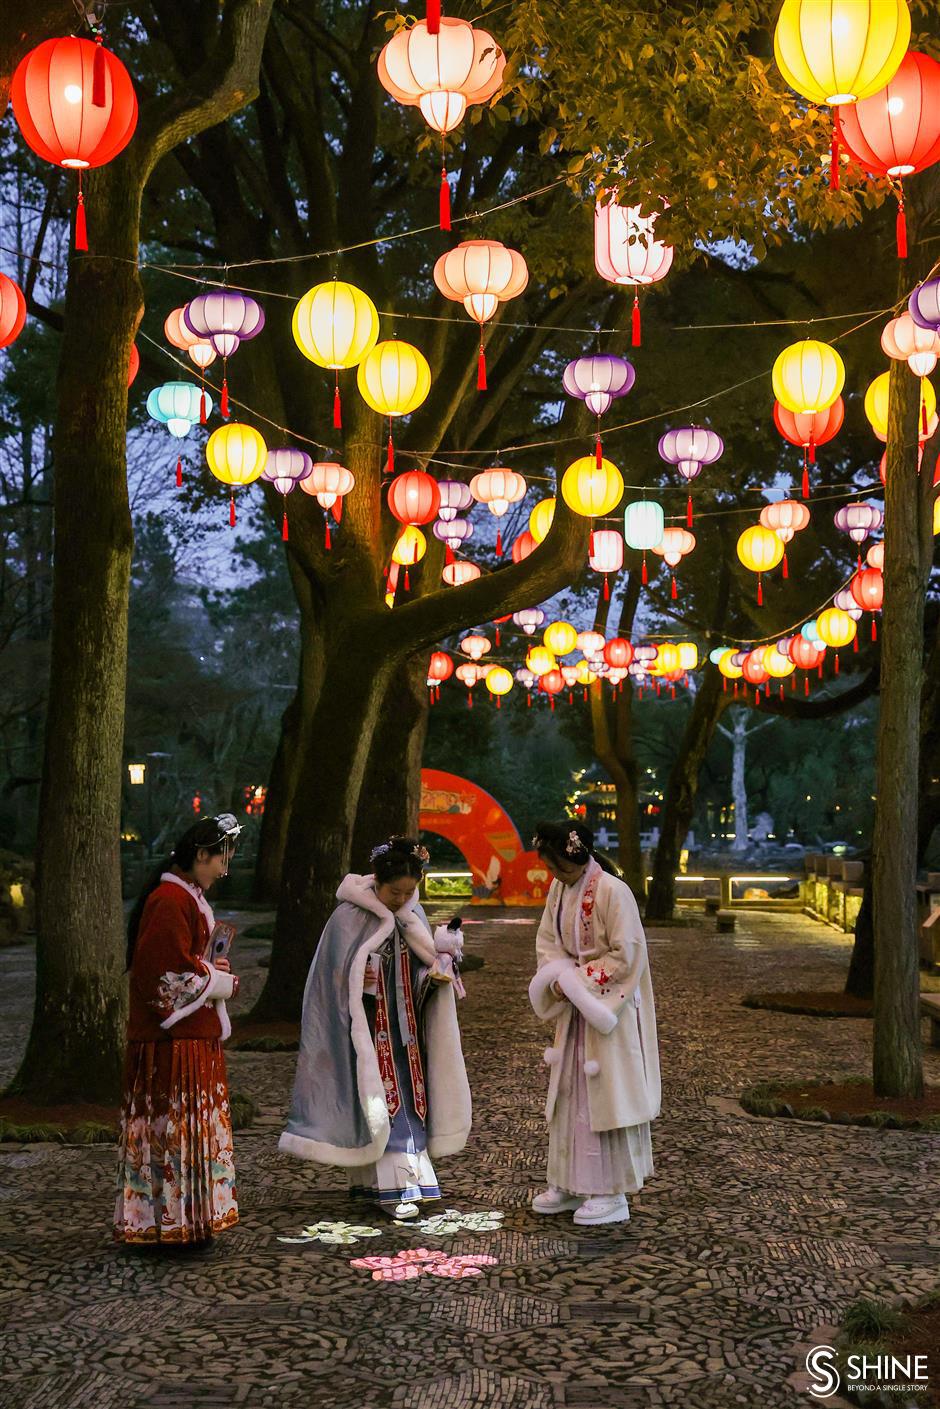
column 676, row 543
column 627, row 252
column 906, row 341
column 460, row 573
column 606, row 555
column 481, row 274
column 497, row 489
column 329, row 483
column 785, row 518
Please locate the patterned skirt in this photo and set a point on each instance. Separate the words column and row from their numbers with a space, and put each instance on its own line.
column 176, row 1169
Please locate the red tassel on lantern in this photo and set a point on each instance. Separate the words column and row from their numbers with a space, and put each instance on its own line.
column 444, row 201
column 499, row 702
column 407, row 581
column 481, row 369
column 499, row 548
column 757, row 698
column 688, row 512
column 528, row 700
column 284, row 528
column 448, row 555
column 923, row 417
column 806, row 685
column 81, row 230
column 390, row 458
column 760, row 591
column 812, row 451
column 781, row 690
column 598, row 453
column 724, row 684
column 223, row 403
column 786, row 566
column 231, row 511
column 591, row 540
column 179, row 471
column 202, row 407
column 606, row 588
column 635, row 328
column 805, row 486
column 434, row 16
column 675, row 591
column 98, row 96
column 855, row 643
column 337, row 407
column 820, row 670
column 552, row 702
column 874, row 630
column 834, row 152
column 793, row 681
column 327, row 539
column 900, row 228
column 836, row 666
column 469, row 700
column 643, row 575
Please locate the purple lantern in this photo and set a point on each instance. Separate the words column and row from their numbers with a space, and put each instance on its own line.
column 598, row 379
column 530, row 619
column 689, row 448
column 858, row 521
column 455, row 498
column 454, row 533
column 285, row 468
column 847, row 603
column 924, row 305
column 226, row 318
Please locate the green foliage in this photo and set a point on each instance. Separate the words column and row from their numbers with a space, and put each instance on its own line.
column 870, row 1320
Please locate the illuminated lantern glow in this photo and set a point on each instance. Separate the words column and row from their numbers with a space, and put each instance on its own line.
column 335, row 324
column 236, row 455
column 285, row 469
column 667, row 659
column 676, row 544
column 552, row 683
column 896, row 131
column 497, row 489
column 597, row 380
column 203, row 354
column 836, row 628
column 440, row 668
column 777, row 666
column 785, row 518
column 808, row 429
column 455, row 498
column 442, row 70
column 643, row 527
column 176, row 331
column 876, row 406
column 727, row 665
column 618, row 653
column 226, row 318
column 847, row 603
column 75, row 106
column 540, row 660
column 753, row 668
column 688, row 655
column 806, row 655
column 626, row 251
column 413, row 497
column 469, row 675
column 459, row 574
column 689, row 448
column 499, row 682
column 760, row 550
column 606, row 555
column 868, row 588
column 393, row 379
column 177, row 405
column 808, row 376
column 906, row 341
column 329, row 483
column 592, row 490
column 561, row 638
column 453, row 534
column 859, row 521
column 529, row 619
column 540, row 521
column 410, row 547
column 133, row 361
column 476, row 647
column 481, row 274
column 523, row 546
column 12, row 311
column 875, row 557
column 590, row 643
column 924, row 304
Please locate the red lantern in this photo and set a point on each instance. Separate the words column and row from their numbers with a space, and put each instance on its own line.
column 12, row 311
column 523, row 546
column 896, row 131
column 414, row 497
column 441, row 666
column 75, row 106
column 133, row 365
column 618, row 653
column 552, row 683
column 804, row 654
column 808, row 429
column 755, row 673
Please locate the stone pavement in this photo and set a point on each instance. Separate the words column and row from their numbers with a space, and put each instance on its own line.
column 749, row 1235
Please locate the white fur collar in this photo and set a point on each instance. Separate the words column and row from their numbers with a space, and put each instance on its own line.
column 360, row 891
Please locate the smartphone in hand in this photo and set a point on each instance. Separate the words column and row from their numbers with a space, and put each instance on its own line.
column 220, row 941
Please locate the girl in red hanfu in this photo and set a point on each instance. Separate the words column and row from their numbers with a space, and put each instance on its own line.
column 593, row 981
column 176, row 1171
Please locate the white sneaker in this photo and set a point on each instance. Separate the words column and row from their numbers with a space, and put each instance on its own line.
column 407, row 1210
column 555, row 1201
column 607, row 1208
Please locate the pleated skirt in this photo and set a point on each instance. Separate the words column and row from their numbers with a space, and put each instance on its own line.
column 176, row 1167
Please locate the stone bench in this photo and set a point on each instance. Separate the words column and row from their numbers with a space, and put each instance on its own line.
column 725, row 921
column 930, row 1008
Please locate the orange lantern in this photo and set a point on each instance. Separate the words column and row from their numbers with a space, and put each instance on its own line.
column 460, row 573
column 498, row 488
column 676, row 543
column 785, row 518
column 12, row 310
column 481, row 274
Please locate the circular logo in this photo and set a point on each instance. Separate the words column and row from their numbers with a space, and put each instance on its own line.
column 821, row 1365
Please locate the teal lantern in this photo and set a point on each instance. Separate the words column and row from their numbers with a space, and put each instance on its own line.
column 178, row 406
column 643, row 527
column 811, row 633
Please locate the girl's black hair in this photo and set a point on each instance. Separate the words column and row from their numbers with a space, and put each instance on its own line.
column 568, row 843
column 201, row 836
column 396, row 857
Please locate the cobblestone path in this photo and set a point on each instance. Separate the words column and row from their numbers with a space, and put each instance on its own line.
column 749, row 1235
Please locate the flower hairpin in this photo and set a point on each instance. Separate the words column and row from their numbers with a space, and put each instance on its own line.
column 379, row 851
column 574, row 844
column 422, row 853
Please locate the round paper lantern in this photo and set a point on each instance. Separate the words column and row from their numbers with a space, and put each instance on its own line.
column 836, row 628
column 847, row 603
column 410, row 547
column 876, row 404
column 688, row 655
column 808, row 429
column 868, row 587
column 440, row 667
column 393, row 379
column 540, row 519
column 805, row 654
column 335, row 324
column 481, row 274
column 753, row 668
column 627, row 252
column 224, row 317
column 606, row 555
column 808, row 376
column 560, row 638
column 906, row 341
column 759, row 549
column 618, row 652
column 476, row 647
column 459, row 574
column 590, row 643
column 592, row 490
column 177, row 332
column 924, row 304
column 840, row 51
column 875, row 557
column 236, row 454
column 328, row 483
column 667, row 659
column 552, row 682
column 285, row 469
column 643, row 525
column 529, row 619
column 597, row 379
column 584, row 674
column 441, row 73
column 414, row 497
column 523, row 546
column 498, row 681
column 203, row 354
column 455, row 498
column 526, row 678
column 896, row 131
column 12, row 311
column 133, row 361
column 176, row 405
column 454, row 533
column 540, row 660
column 778, row 667
column 727, row 666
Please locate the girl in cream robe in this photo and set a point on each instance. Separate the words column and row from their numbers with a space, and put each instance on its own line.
column 593, row 981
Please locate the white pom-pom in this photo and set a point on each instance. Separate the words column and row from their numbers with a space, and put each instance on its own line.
column 552, row 1056
column 591, row 1068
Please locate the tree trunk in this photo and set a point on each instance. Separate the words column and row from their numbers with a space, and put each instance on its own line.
column 613, row 749
column 76, row 1043
column 896, row 1058
column 679, row 804
column 738, row 781
column 391, row 796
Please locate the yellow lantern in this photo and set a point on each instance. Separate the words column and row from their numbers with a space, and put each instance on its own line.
column 688, row 655
column 335, row 324
column 936, row 516
column 727, row 666
column 236, row 455
column 410, row 546
column 808, row 376
column 498, row 681
column 561, row 638
column 585, row 675
column 876, row 404
column 590, row 489
column 668, row 658
column 775, row 664
column 840, row 51
column 835, row 627
column 394, row 379
column 540, row 519
column 759, row 549
column 540, row 660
